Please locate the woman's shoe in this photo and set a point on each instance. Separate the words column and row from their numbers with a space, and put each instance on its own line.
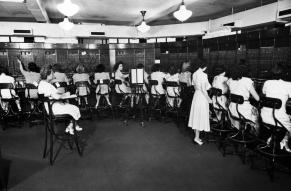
column 70, row 130
column 198, row 141
column 284, row 144
column 78, row 128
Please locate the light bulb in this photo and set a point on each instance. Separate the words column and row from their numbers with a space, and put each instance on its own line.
column 66, row 24
column 182, row 14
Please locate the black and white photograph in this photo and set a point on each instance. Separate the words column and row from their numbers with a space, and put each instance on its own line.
column 145, row 95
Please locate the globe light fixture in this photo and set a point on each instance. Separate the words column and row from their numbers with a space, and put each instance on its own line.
column 66, row 24
column 143, row 27
column 67, row 8
column 182, row 14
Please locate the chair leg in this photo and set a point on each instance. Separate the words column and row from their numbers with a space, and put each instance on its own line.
column 76, row 140
column 51, row 149
column 45, row 143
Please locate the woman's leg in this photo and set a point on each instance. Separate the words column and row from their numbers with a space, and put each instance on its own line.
column 197, row 137
column 97, row 100
column 107, row 99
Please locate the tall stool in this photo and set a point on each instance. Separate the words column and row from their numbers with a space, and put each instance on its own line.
column 155, row 101
column 223, row 126
column 53, row 133
column 121, row 101
column 271, row 150
column 175, row 108
column 10, row 103
column 32, row 101
column 242, row 137
column 103, row 105
column 82, row 98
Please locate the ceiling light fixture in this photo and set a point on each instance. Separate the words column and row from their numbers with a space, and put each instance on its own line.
column 143, row 27
column 66, row 24
column 67, row 8
column 182, row 14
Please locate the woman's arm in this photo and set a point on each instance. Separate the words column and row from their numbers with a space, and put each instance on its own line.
column 254, row 93
column 21, row 68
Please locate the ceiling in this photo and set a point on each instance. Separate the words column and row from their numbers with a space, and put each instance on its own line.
column 124, row 12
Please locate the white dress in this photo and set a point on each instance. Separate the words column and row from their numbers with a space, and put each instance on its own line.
column 242, row 87
column 102, row 88
column 82, row 91
column 159, row 76
column 124, row 87
column 58, row 108
column 219, row 82
column 172, row 91
column 277, row 89
column 199, row 114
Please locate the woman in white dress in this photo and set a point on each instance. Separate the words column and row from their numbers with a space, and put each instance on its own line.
column 219, row 82
column 81, row 76
column 58, row 108
column 125, row 86
column 279, row 89
column 199, row 114
column 59, row 76
column 243, row 86
column 6, row 93
column 102, row 89
column 160, row 77
column 172, row 76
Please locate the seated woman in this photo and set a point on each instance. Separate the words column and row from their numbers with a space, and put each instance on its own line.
column 219, row 82
column 31, row 76
column 280, row 89
column 125, row 86
column 5, row 93
column 102, row 89
column 58, row 108
column 158, row 76
column 173, row 76
column 59, row 76
column 81, row 76
column 240, row 85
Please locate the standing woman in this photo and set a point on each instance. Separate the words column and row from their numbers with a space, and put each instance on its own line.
column 199, row 114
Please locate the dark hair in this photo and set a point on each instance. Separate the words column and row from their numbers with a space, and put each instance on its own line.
column 115, row 67
column 33, row 67
column 80, row 69
column 57, row 68
column 140, row 66
column 172, row 70
column 200, row 63
column 156, row 68
column 100, row 68
column 279, row 71
column 187, row 68
column 3, row 70
column 45, row 72
column 239, row 72
column 218, row 69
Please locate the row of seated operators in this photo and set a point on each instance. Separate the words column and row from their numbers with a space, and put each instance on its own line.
column 236, row 83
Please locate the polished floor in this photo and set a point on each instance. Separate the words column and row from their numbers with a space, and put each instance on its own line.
column 159, row 157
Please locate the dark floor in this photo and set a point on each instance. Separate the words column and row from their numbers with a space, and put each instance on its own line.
column 157, row 157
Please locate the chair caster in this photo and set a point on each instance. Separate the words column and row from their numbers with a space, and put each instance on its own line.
column 142, row 124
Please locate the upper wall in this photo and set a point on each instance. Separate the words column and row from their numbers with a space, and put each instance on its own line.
column 54, row 33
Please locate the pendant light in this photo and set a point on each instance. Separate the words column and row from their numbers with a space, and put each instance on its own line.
column 67, row 8
column 182, row 14
column 143, row 27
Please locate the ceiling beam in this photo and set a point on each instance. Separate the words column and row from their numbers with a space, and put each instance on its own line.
column 38, row 10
